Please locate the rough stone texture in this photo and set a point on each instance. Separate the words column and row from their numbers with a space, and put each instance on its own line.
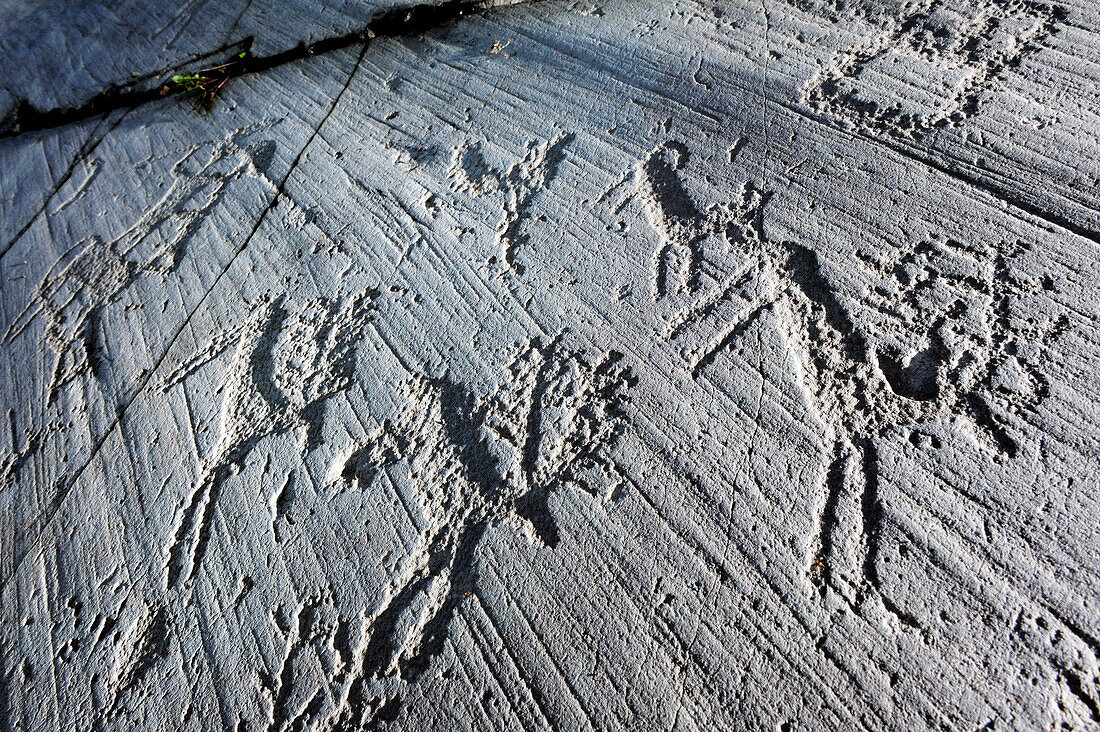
column 647, row 365
column 62, row 53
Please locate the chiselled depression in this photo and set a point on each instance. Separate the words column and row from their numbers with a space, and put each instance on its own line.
column 550, row 364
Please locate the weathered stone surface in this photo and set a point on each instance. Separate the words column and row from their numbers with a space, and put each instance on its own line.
column 61, row 55
column 575, row 365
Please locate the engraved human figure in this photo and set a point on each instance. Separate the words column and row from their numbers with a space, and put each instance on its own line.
column 286, row 364
column 473, row 463
column 93, row 273
column 518, row 186
column 946, row 352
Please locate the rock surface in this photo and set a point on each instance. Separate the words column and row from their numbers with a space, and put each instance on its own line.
column 70, row 53
column 580, row 365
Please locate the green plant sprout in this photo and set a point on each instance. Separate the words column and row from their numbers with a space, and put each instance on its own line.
column 206, row 83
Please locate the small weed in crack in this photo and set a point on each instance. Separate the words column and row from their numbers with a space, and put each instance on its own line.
column 205, row 84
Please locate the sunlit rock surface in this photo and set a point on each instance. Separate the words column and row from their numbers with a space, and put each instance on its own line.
column 598, row 365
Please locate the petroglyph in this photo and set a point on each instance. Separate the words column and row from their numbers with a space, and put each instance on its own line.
column 703, row 282
column 12, row 464
column 475, row 462
column 94, row 273
column 927, row 63
column 941, row 358
column 518, row 185
column 285, row 365
column 143, row 644
column 950, row 350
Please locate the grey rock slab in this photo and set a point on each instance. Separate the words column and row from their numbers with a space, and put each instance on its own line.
column 559, row 368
